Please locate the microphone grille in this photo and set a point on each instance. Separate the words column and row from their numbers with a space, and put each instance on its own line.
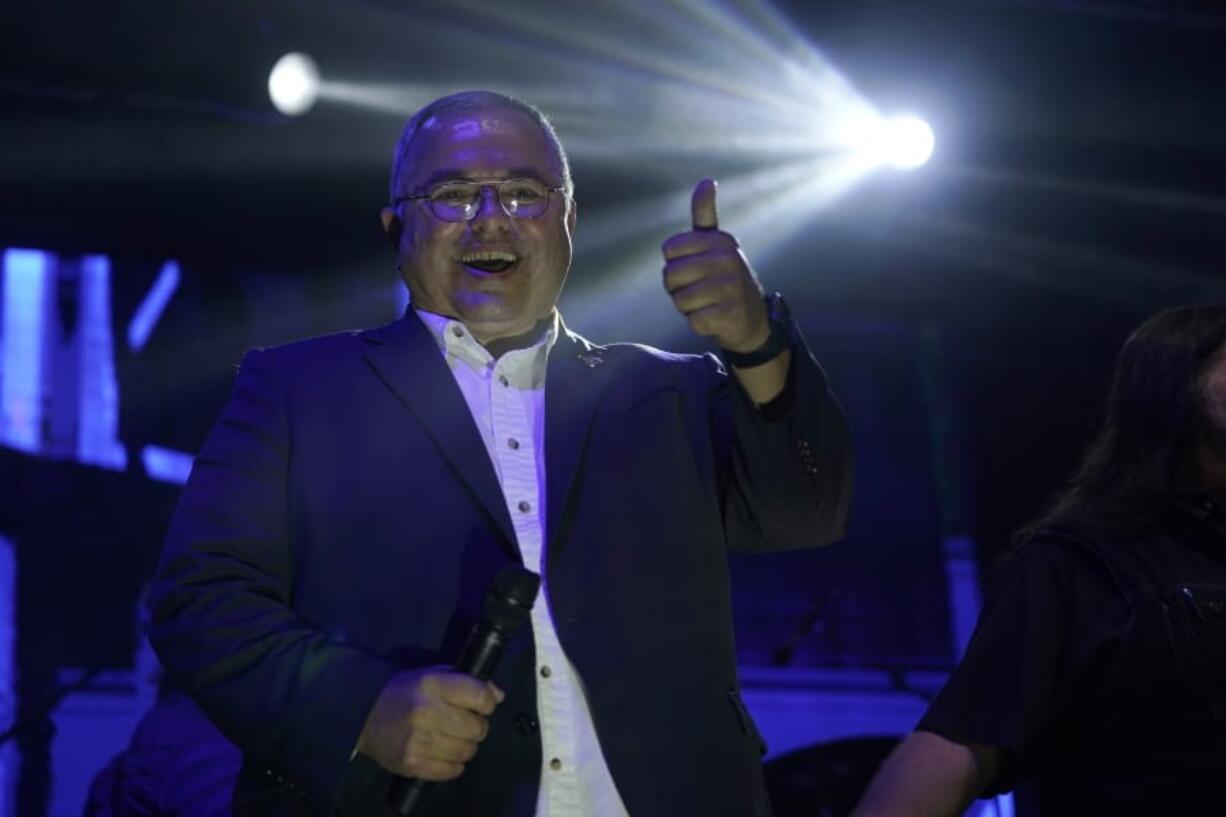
column 510, row 599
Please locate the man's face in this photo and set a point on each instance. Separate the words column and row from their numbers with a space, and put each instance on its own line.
column 441, row 261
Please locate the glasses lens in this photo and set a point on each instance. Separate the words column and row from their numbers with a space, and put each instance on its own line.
column 523, row 198
column 454, row 201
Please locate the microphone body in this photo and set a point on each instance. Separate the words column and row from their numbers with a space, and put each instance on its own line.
column 507, row 604
column 482, row 651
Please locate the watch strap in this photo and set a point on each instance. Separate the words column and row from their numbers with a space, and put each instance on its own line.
column 779, row 340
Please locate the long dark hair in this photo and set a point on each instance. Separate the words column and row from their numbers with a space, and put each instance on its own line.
column 1145, row 452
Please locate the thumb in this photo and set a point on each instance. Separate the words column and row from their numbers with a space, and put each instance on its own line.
column 702, row 205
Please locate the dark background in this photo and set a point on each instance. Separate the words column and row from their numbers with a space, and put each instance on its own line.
column 968, row 313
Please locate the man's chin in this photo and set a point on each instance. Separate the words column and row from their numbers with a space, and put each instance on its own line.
column 512, row 332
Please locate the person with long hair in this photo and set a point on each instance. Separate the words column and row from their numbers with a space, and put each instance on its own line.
column 1097, row 670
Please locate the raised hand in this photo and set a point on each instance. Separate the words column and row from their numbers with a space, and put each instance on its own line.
column 710, row 280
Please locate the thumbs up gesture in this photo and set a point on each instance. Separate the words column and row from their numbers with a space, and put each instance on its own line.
column 710, row 280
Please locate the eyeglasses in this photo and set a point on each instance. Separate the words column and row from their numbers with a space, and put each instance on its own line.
column 460, row 201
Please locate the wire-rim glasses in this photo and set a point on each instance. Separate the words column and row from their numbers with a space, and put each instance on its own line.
column 461, row 200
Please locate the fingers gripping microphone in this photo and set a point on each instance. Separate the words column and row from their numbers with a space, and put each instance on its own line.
column 507, row 604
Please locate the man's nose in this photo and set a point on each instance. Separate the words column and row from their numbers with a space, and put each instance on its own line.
column 489, row 207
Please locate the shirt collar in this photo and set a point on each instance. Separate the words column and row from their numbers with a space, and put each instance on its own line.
column 456, row 342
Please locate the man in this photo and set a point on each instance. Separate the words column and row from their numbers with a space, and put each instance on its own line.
column 361, row 490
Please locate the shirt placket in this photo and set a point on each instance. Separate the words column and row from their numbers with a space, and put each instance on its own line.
column 517, row 447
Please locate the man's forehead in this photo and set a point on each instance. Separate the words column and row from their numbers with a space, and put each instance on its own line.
column 474, row 123
column 489, row 141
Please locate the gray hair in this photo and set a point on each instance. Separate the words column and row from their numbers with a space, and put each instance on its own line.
column 467, row 101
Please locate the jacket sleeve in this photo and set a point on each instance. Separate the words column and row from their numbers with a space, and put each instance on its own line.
column 222, row 611
column 787, row 480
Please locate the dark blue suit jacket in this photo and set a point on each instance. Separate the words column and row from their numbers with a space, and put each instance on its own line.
column 343, row 520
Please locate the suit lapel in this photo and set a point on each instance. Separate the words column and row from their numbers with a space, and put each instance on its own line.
column 577, row 376
column 407, row 359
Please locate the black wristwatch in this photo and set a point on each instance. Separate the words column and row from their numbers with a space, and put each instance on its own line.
column 779, row 341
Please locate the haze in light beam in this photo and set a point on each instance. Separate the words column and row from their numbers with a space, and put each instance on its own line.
column 653, row 89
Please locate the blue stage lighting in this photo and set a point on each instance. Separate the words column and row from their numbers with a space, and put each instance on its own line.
column 152, row 307
column 166, row 465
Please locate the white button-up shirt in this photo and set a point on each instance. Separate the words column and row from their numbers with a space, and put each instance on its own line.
column 506, row 398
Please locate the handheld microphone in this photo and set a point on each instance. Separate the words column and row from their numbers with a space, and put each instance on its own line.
column 507, row 603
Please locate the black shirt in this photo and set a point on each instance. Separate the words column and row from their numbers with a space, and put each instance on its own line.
column 1098, row 666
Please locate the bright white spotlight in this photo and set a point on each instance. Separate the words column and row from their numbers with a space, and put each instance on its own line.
column 904, row 141
column 293, row 84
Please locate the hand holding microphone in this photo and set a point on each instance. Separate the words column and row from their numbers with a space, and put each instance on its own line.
column 446, row 710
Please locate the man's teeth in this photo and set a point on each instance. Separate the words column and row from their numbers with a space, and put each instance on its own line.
column 488, row 256
column 489, row 260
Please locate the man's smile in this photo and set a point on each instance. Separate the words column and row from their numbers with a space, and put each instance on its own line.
column 489, row 261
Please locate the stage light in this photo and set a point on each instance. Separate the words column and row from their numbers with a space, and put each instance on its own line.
column 904, row 141
column 293, row 84
column 152, row 307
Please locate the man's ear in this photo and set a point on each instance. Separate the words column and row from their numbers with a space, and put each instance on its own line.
column 571, row 216
column 392, row 225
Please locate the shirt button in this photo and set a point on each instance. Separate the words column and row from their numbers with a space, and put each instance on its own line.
column 525, row 505
column 513, row 444
column 504, row 380
column 546, row 671
column 555, row 764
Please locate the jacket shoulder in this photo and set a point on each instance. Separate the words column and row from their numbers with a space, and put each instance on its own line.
column 645, row 355
column 331, row 349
